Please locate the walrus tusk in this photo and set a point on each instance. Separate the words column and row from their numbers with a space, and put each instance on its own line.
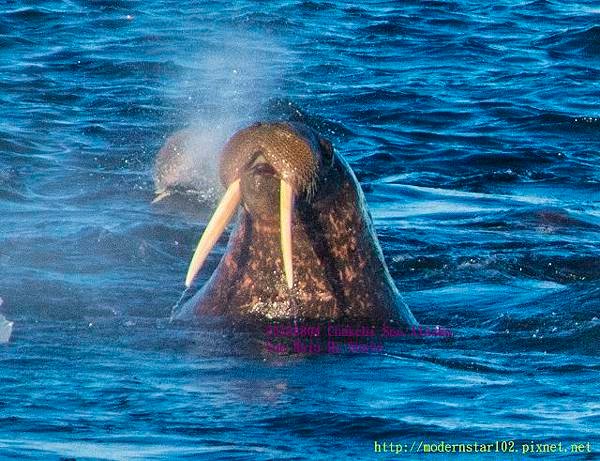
column 161, row 195
column 214, row 229
column 286, row 198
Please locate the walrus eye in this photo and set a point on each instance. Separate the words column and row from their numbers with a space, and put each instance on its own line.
column 214, row 229
column 286, row 206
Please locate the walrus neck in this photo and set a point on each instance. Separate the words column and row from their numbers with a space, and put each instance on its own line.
column 363, row 284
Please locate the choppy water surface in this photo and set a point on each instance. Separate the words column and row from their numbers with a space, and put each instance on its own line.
column 475, row 131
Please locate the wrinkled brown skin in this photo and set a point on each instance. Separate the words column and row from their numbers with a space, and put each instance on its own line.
column 339, row 270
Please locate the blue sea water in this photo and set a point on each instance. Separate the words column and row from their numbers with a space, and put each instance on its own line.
column 474, row 128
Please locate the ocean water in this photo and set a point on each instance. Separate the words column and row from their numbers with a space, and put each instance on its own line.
column 474, row 129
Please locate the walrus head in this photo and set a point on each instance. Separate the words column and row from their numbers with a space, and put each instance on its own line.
column 303, row 247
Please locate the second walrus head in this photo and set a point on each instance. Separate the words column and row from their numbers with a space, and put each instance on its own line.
column 303, row 246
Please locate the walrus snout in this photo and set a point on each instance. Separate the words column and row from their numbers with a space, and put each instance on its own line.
column 260, row 192
column 249, row 163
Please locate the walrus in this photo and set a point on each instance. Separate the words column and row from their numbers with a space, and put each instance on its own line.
column 303, row 246
column 177, row 171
